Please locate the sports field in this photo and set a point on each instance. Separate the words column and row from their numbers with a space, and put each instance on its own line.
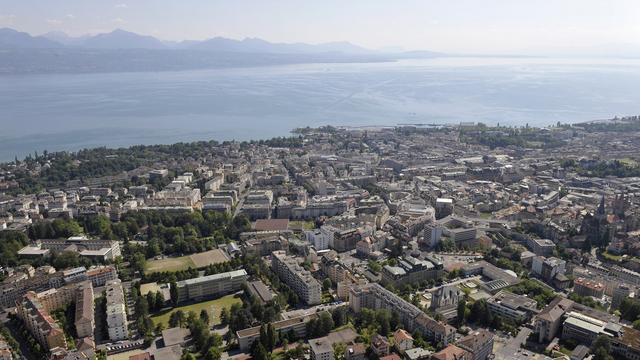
column 169, row 264
column 199, row 260
column 213, row 306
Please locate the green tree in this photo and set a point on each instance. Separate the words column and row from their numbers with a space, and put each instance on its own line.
column 66, row 259
column 462, row 308
column 326, row 284
column 271, row 337
column 224, row 316
column 173, row 290
column 204, row 316
column 213, row 354
column 159, row 301
column 601, row 348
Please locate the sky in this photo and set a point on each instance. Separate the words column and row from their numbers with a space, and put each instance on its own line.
column 459, row 26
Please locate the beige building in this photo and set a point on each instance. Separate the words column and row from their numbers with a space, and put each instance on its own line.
column 34, row 309
column 299, row 280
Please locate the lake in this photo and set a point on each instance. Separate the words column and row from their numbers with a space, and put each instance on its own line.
column 74, row 111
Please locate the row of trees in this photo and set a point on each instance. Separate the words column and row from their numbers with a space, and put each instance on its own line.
column 143, row 320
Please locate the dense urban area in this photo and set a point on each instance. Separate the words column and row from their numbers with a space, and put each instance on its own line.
column 416, row 242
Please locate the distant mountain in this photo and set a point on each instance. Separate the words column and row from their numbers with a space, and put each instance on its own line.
column 120, row 39
column 123, row 51
column 64, row 39
column 255, row 45
column 12, row 39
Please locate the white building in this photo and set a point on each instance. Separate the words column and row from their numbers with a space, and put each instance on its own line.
column 116, row 311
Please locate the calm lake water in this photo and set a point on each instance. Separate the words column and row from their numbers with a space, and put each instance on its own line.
column 73, row 111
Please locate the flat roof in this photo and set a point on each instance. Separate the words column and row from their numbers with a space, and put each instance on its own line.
column 32, row 250
column 585, row 322
column 254, row 331
column 260, row 289
column 230, row 274
column 271, row 224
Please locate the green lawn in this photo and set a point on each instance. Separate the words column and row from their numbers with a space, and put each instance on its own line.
column 168, row 264
column 213, row 306
column 611, row 257
column 307, row 225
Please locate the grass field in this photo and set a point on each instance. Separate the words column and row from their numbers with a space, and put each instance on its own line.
column 215, row 256
column 169, row 264
column 213, row 306
column 307, row 225
column 611, row 257
column 150, row 287
column 197, row 261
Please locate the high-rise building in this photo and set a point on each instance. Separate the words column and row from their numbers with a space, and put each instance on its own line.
column 116, row 311
column 299, row 280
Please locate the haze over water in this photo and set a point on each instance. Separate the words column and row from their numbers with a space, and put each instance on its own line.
column 74, row 111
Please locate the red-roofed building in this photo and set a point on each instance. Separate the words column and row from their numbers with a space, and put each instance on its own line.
column 143, row 356
column 393, row 356
column 402, row 340
column 271, row 225
column 452, row 352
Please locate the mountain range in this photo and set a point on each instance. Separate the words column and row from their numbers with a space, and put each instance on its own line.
column 121, row 39
column 124, row 51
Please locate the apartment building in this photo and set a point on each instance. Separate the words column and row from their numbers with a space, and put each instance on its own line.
column 100, row 275
column 541, row 247
column 175, row 195
column 299, row 280
column 411, row 270
column 548, row 321
column 263, row 246
column 479, row 344
column 321, row 349
column 257, row 204
column 374, row 296
column 547, row 268
column 34, row 309
column 85, row 322
column 297, row 325
column 116, row 311
column 586, row 287
column 91, row 248
column 204, row 287
column 39, row 322
column 516, row 308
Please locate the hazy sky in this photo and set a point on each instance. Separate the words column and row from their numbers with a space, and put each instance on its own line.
column 443, row 25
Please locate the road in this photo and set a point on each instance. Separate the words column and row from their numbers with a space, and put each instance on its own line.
column 512, row 345
column 238, row 207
